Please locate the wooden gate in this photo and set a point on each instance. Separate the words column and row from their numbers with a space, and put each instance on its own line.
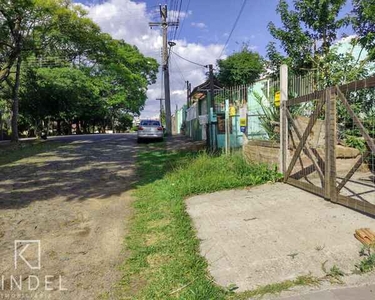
column 313, row 145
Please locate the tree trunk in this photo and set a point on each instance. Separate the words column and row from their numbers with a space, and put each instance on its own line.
column 78, row 128
column 58, row 127
column 15, row 99
column 1, row 126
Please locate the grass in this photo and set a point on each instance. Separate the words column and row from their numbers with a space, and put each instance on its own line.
column 164, row 258
column 367, row 264
column 13, row 152
column 277, row 288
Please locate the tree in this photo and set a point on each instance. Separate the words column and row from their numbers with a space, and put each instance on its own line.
column 364, row 24
column 307, row 32
column 124, row 122
column 48, row 28
column 239, row 68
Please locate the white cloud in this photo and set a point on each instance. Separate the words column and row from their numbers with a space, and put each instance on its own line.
column 199, row 25
column 128, row 20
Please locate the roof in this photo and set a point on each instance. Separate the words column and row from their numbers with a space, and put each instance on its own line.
column 199, row 91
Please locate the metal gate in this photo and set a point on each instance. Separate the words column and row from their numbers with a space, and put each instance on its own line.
column 314, row 149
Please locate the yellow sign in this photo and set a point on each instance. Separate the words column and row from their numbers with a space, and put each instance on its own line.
column 232, row 111
column 277, row 99
column 242, row 122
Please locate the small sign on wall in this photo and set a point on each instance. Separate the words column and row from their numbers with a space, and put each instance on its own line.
column 277, row 99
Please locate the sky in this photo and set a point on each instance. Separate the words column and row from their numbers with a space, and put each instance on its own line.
column 204, row 29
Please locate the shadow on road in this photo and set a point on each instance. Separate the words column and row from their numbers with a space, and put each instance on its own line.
column 78, row 168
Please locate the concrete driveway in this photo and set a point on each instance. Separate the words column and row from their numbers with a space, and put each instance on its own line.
column 275, row 232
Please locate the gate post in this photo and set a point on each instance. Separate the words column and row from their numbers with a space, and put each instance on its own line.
column 330, row 190
column 283, row 119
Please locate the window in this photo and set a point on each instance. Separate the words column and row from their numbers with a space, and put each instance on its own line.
column 150, row 123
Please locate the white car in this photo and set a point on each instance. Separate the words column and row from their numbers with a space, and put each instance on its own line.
column 150, row 129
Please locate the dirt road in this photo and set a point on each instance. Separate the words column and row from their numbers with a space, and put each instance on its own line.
column 73, row 202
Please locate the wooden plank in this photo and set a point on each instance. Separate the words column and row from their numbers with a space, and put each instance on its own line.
column 330, row 150
column 308, row 129
column 355, row 204
column 306, row 186
column 346, row 201
column 356, row 120
column 365, row 236
column 359, row 84
column 305, row 98
column 307, row 149
column 349, row 87
column 353, row 170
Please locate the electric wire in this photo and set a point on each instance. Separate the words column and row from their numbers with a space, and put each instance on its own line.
column 234, row 27
column 178, row 20
column 188, row 60
column 183, row 20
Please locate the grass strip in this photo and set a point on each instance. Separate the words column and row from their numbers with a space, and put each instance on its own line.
column 13, row 152
column 165, row 262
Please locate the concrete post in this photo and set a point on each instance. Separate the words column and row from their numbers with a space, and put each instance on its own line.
column 283, row 119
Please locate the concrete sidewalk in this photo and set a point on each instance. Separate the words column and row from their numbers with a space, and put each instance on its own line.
column 356, row 293
column 275, row 232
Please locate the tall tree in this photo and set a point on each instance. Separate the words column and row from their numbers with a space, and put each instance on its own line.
column 308, row 31
column 240, row 68
column 364, row 24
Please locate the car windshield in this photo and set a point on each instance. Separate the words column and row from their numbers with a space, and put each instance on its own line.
column 150, row 123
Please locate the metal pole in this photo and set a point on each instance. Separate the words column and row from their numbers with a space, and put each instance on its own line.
column 283, row 118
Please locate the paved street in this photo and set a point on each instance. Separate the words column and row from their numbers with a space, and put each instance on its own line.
column 76, row 200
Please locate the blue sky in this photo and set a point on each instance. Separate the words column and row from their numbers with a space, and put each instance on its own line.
column 218, row 17
column 204, row 33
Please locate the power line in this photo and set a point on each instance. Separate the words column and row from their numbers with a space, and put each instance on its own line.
column 234, row 27
column 192, row 62
column 178, row 19
column 178, row 67
column 183, row 20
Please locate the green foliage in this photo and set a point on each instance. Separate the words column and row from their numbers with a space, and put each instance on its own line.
column 164, row 248
column 243, row 67
column 124, row 122
column 269, row 117
column 96, row 79
column 307, row 32
column 355, row 142
column 364, row 24
column 276, row 288
column 367, row 264
column 334, row 274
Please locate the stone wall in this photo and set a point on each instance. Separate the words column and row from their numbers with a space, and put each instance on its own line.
column 269, row 152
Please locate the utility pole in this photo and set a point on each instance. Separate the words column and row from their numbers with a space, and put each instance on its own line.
column 188, row 91
column 164, row 25
column 161, row 108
